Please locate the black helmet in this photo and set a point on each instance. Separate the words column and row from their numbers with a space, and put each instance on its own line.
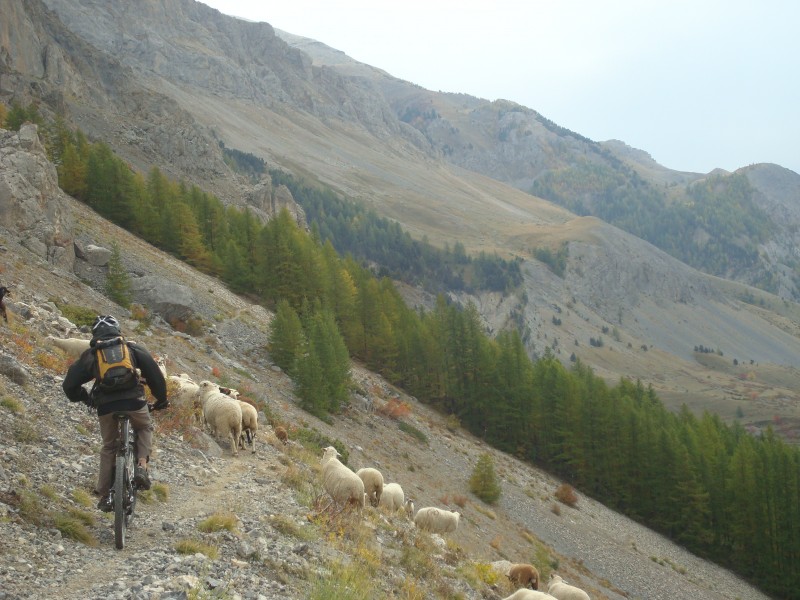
column 105, row 326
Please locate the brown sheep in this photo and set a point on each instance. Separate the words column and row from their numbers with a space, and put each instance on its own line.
column 4, row 291
column 524, row 574
column 281, row 434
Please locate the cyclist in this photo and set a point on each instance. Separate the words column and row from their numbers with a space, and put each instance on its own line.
column 131, row 401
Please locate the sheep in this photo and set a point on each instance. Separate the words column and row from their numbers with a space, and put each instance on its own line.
column 222, row 413
column 73, row 347
column 182, row 392
column 373, row 484
column 4, row 291
column 436, row 520
column 343, row 486
column 161, row 361
column 564, row 591
column 393, row 497
column 249, row 425
column 523, row 594
column 524, row 574
column 281, row 434
column 230, row 392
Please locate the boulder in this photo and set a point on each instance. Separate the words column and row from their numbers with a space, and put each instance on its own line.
column 171, row 301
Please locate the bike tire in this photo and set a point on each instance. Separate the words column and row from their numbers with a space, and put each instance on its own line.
column 120, row 518
column 131, row 491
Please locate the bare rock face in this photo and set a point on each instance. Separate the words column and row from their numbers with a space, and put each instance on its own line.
column 269, row 201
column 32, row 207
column 170, row 300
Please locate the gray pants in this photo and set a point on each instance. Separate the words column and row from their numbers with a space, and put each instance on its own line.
column 141, row 423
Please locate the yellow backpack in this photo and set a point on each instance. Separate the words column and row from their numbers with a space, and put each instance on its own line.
column 116, row 369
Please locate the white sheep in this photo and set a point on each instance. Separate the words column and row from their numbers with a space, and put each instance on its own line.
column 222, row 413
column 342, row 485
column 373, row 484
column 436, row 520
column 73, row 347
column 184, row 392
column 523, row 594
column 393, row 497
column 161, row 361
column 249, row 425
column 564, row 591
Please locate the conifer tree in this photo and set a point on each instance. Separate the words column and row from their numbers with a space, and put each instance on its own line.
column 286, row 339
column 483, row 482
column 118, row 283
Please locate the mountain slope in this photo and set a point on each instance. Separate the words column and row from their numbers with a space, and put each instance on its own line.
column 50, row 447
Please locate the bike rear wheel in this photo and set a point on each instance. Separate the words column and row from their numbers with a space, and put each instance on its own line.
column 120, row 518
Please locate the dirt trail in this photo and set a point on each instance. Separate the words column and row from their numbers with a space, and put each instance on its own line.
column 151, row 530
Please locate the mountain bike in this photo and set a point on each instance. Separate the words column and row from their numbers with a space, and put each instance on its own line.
column 124, row 491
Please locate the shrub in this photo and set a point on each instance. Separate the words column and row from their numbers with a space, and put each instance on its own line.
column 453, row 423
column 566, row 495
column 483, row 482
column 459, row 500
column 80, row 315
column 394, row 409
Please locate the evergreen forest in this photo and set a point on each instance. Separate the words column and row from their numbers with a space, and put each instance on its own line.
column 721, row 492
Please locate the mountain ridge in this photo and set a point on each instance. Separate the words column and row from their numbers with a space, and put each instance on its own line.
column 341, row 131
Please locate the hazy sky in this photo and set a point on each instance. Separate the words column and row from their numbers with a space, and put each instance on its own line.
column 698, row 84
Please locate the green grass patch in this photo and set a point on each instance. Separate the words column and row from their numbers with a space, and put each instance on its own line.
column 49, row 492
column 12, row 404
column 287, row 526
column 315, row 441
column 74, row 529
column 82, row 497
column 81, row 515
column 345, row 582
column 25, row 433
column 218, row 522
column 191, row 546
column 413, row 431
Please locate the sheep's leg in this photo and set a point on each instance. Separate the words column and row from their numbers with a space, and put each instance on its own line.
column 253, row 444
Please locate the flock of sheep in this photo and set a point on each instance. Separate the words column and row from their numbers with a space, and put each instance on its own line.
column 237, row 421
column 348, row 488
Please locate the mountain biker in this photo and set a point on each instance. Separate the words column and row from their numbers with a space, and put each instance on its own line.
column 130, row 401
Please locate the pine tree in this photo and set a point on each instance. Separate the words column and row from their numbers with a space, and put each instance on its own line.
column 286, row 340
column 118, row 283
column 483, row 482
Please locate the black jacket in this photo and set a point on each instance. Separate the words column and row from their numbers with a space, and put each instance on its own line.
column 85, row 369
